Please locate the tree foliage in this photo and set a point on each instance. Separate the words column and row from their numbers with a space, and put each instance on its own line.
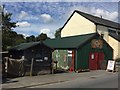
column 9, row 37
column 31, row 38
column 6, row 22
column 42, row 37
column 58, row 33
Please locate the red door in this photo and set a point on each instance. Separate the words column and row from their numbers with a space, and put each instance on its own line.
column 95, row 59
column 100, row 58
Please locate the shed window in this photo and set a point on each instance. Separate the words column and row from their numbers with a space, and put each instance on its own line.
column 45, row 58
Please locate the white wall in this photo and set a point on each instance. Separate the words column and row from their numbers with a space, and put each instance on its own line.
column 119, row 49
column 78, row 25
column 103, row 30
column 115, row 45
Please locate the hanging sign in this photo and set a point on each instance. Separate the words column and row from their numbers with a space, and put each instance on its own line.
column 97, row 43
column 111, row 65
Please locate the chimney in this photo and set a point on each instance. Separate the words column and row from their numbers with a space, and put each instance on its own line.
column 100, row 16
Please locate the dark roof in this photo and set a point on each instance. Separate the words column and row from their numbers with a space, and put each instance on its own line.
column 24, row 46
column 115, row 36
column 69, row 42
column 98, row 20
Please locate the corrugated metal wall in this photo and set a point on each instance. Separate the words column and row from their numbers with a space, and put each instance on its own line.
column 82, row 57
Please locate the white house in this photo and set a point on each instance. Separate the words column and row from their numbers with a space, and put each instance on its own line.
column 82, row 23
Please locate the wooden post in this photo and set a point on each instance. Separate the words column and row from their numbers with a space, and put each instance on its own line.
column 52, row 66
column 31, row 68
column 56, row 65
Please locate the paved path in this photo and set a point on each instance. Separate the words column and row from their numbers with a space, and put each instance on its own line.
column 27, row 81
column 98, row 81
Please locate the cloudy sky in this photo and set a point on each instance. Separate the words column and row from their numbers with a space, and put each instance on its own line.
column 34, row 18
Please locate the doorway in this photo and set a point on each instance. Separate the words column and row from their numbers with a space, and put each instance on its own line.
column 72, row 60
column 95, row 59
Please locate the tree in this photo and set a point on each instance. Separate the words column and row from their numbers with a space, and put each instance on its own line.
column 9, row 38
column 31, row 38
column 19, row 39
column 6, row 21
column 42, row 37
column 58, row 33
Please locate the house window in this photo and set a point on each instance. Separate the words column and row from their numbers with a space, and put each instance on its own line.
column 112, row 31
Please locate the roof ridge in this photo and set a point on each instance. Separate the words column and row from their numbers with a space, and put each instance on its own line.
column 69, row 42
column 95, row 16
column 72, row 36
column 98, row 20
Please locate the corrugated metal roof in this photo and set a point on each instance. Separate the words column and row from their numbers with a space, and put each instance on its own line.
column 68, row 42
column 24, row 46
column 71, row 42
column 98, row 20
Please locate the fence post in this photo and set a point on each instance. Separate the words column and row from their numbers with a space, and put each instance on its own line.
column 31, row 68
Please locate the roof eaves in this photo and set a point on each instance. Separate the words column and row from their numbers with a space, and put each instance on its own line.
column 87, row 40
column 88, row 17
column 24, row 46
column 115, row 37
column 108, row 26
column 67, row 20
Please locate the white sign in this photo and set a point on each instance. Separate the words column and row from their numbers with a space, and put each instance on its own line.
column 45, row 58
column 39, row 60
column 110, row 65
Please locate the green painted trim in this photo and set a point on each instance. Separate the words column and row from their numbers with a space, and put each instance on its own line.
column 76, row 60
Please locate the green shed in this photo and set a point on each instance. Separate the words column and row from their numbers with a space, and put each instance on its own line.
column 88, row 51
